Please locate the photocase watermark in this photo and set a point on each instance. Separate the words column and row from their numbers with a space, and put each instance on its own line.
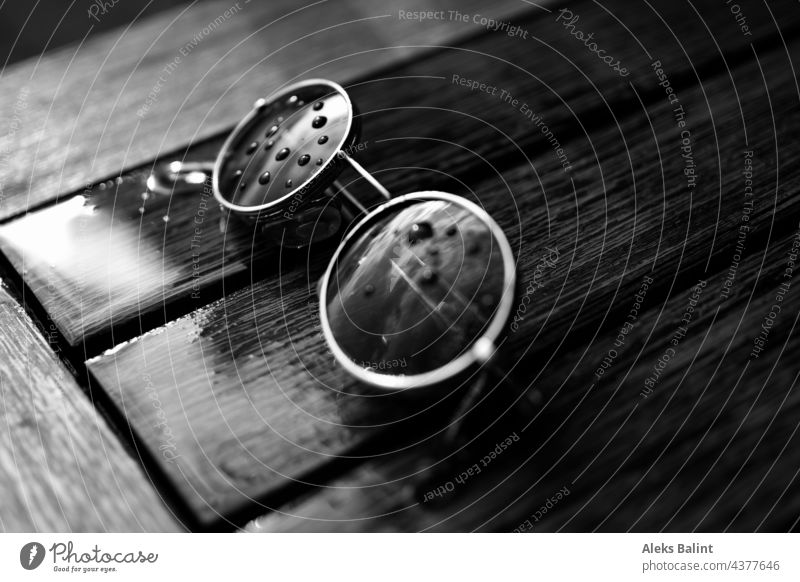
column 626, row 327
column 168, row 447
column 760, row 342
column 548, row 260
column 526, row 110
column 100, row 8
column 352, row 149
column 739, row 16
column 490, row 24
column 744, row 227
column 385, row 364
column 95, row 560
column 666, row 357
column 20, row 104
column 169, row 69
column 538, row 121
column 31, row 555
column 197, row 235
column 472, row 471
column 69, row 560
column 298, row 198
column 569, row 20
column 548, row 505
column 689, row 168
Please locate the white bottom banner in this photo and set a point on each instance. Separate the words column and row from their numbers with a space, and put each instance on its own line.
column 399, row 557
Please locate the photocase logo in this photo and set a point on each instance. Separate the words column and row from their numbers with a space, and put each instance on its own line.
column 31, row 555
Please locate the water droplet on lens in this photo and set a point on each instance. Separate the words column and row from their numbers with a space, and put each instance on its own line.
column 141, row 210
column 289, row 183
column 264, row 178
column 269, row 144
column 451, row 230
column 420, row 231
column 319, row 121
column 318, row 105
column 369, row 290
column 165, row 218
column 301, row 103
column 428, row 275
column 320, row 161
column 237, row 174
column 280, row 119
column 322, row 139
column 303, row 160
column 283, row 154
column 292, row 100
column 252, row 147
column 272, row 131
column 145, row 195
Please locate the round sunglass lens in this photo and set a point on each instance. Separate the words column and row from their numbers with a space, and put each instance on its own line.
column 415, row 288
column 279, row 141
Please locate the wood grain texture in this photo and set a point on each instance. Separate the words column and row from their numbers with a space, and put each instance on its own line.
column 713, row 446
column 251, row 402
column 72, row 118
column 238, row 414
column 602, row 260
column 61, row 467
column 113, row 265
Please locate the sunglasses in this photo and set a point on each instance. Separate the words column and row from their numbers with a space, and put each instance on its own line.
column 420, row 289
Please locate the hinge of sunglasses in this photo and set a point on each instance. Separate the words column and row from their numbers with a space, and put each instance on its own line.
column 484, row 351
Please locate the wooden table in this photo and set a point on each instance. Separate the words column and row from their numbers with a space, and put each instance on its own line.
column 163, row 371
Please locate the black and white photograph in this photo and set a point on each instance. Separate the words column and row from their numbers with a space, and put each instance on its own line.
column 415, row 267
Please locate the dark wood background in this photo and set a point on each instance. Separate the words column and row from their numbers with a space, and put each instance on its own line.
column 142, row 394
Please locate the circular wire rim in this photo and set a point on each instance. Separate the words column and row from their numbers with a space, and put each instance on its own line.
column 254, row 112
column 469, row 357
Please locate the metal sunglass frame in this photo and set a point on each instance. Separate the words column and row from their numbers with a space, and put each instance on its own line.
column 323, row 184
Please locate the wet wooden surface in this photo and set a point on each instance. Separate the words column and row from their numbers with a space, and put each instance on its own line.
column 60, row 132
column 61, row 467
column 251, row 413
column 93, row 110
column 689, row 456
column 115, row 260
column 263, row 339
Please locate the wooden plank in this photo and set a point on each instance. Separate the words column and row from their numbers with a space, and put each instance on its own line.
column 602, row 260
column 86, row 112
column 61, row 467
column 711, row 447
column 242, row 413
column 116, row 266
column 64, row 24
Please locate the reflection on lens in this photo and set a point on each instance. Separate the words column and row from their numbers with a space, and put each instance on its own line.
column 416, row 288
column 270, row 155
